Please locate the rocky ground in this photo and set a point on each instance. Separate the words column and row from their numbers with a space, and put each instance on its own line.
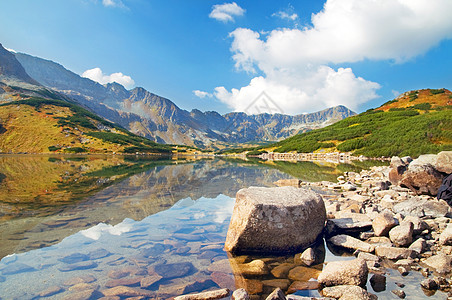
column 388, row 217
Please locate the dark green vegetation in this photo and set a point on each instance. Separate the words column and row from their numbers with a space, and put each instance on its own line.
column 378, row 133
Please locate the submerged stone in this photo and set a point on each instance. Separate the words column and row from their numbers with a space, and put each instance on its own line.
column 173, row 270
column 16, row 268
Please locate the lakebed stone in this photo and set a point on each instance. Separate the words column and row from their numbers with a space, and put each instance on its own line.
column 272, row 220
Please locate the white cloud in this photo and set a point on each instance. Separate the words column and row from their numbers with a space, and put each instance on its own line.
column 113, row 3
column 226, row 12
column 202, row 94
column 296, row 63
column 301, row 91
column 286, row 16
column 97, row 75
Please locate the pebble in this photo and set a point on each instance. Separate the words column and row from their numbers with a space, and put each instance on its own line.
column 399, row 293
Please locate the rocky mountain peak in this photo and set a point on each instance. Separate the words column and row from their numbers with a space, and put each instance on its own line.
column 10, row 68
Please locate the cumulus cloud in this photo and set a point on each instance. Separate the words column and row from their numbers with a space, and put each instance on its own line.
column 202, row 94
column 97, row 75
column 226, row 12
column 296, row 63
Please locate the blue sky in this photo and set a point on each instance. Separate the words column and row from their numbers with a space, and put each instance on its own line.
column 306, row 55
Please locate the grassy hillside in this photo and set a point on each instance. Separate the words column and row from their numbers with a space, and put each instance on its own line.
column 417, row 122
column 38, row 125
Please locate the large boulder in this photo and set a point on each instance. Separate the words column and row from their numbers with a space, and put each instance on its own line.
column 422, row 177
column 274, row 220
column 352, row 272
column 446, row 236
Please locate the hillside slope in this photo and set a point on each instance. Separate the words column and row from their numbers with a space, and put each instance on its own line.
column 38, row 125
column 409, row 125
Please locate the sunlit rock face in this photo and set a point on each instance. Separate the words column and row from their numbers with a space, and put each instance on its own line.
column 275, row 220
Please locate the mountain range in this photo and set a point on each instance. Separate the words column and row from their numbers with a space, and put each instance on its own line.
column 149, row 115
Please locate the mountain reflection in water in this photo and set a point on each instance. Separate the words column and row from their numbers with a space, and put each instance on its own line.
column 161, row 222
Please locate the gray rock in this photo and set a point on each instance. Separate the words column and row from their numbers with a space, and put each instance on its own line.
column 394, row 252
column 422, row 207
column 240, row 294
column 308, row 257
column 444, row 162
column 440, row 262
column 269, row 220
column 348, row 223
column 429, row 284
column 418, row 224
column 211, row 295
column 352, row 272
column 383, row 223
column 368, row 256
column 277, row 294
column 399, row 293
column 402, row 235
column 419, row 246
column 348, row 292
column 350, row 242
column 421, row 177
column 446, row 236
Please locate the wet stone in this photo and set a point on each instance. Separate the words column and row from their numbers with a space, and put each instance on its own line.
column 53, row 290
column 282, row 270
column 223, row 280
column 116, row 274
column 182, row 250
column 429, row 284
column 83, row 295
column 74, row 258
column 277, row 283
column 135, row 281
column 211, row 295
column 17, row 268
column 173, row 270
column 148, row 281
column 303, row 285
column 98, row 253
column 80, row 279
column 378, row 282
column 125, row 291
column 155, row 250
column 84, row 265
column 399, row 293
column 84, row 286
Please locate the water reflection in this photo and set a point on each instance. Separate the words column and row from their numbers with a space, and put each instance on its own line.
column 146, row 228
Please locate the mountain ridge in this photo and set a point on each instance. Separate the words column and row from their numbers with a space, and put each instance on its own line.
column 161, row 120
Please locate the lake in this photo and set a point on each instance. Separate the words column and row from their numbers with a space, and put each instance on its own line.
column 74, row 227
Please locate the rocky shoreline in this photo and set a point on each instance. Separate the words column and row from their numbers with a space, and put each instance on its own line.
column 388, row 217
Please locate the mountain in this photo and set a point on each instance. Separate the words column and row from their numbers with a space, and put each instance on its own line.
column 417, row 122
column 35, row 119
column 160, row 120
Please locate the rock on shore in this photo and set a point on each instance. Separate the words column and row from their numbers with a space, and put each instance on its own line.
column 274, row 220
